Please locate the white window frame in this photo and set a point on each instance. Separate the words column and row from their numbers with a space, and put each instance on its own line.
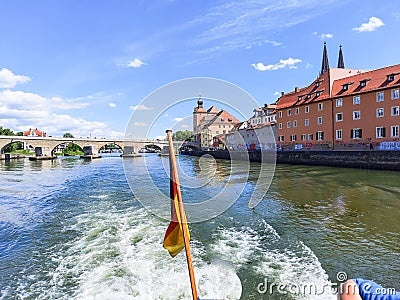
column 378, row 112
column 339, row 134
column 320, row 106
column 310, row 136
column 356, row 100
column 394, row 131
column 297, row 111
column 354, row 131
column 339, row 102
column 280, row 114
column 304, row 137
column 281, row 138
column 319, row 120
column 294, row 123
column 395, row 94
column 306, row 122
column 280, row 125
column 339, row 114
column 293, row 138
column 395, row 113
column 307, row 109
column 319, row 136
column 354, row 115
column 289, row 112
column 380, row 96
column 379, row 132
column 288, row 124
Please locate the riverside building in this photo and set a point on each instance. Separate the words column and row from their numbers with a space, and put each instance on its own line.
column 342, row 109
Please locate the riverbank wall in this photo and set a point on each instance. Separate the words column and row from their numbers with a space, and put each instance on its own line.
column 379, row 160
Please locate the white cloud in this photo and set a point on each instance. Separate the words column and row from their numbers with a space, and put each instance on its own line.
column 184, row 126
column 140, row 124
column 290, row 63
column 112, row 104
column 9, row 80
column 21, row 111
column 324, row 36
column 178, row 119
column 372, row 24
column 277, row 94
column 308, row 65
column 136, row 63
column 140, row 107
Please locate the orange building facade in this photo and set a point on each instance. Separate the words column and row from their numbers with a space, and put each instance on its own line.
column 342, row 109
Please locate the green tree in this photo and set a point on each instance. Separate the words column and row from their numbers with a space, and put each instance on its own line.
column 182, row 135
column 6, row 131
column 68, row 135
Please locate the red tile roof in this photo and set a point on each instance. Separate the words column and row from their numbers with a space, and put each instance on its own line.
column 375, row 80
column 36, row 132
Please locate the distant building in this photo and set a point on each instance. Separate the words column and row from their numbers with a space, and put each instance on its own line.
column 210, row 123
column 341, row 109
column 257, row 133
column 34, row 132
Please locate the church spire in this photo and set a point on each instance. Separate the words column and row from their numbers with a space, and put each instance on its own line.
column 340, row 63
column 325, row 63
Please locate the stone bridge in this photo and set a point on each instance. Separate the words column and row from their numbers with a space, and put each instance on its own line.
column 127, row 146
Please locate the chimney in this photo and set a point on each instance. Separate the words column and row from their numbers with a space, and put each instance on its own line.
column 282, row 93
column 296, row 89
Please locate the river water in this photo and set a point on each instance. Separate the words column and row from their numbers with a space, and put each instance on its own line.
column 72, row 229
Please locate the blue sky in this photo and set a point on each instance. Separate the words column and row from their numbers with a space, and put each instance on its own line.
column 83, row 66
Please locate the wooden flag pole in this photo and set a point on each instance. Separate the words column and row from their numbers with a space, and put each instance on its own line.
column 185, row 231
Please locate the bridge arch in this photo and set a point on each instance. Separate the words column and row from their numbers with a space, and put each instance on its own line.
column 14, row 141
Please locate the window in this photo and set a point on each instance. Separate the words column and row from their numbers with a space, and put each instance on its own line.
column 379, row 96
column 356, row 133
column 339, row 117
column 297, row 111
column 288, row 124
column 356, row 115
column 345, row 87
column 339, row 102
column 317, row 94
column 280, row 125
column 390, row 77
column 299, row 98
column 356, row 100
column 308, row 96
column 379, row 112
column 319, row 120
column 280, row 114
column 293, row 138
column 363, row 83
column 395, row 94
column 310, row 137
column 394, row 131
column 317, row 83
column 380, row 132
column 339, row 134
column 395, row 110
column 294, row 123
column 320, row 135
column 307, row 109
column 303, row 137
column 289, row 112
column 281, row 138
column 306, row 122
column 320, row 106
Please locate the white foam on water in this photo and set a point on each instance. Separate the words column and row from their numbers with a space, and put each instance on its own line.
column 296, row 268
column 120, row 256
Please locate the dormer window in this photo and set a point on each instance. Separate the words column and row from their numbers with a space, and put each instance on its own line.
column 346, row 86
column 363, row 83
column 299, row 98
column 317, row 84
column 390, row 77
column 317, row 94
column 308, row 96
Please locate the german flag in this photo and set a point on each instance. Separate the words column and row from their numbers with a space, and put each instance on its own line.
column 173, row 240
